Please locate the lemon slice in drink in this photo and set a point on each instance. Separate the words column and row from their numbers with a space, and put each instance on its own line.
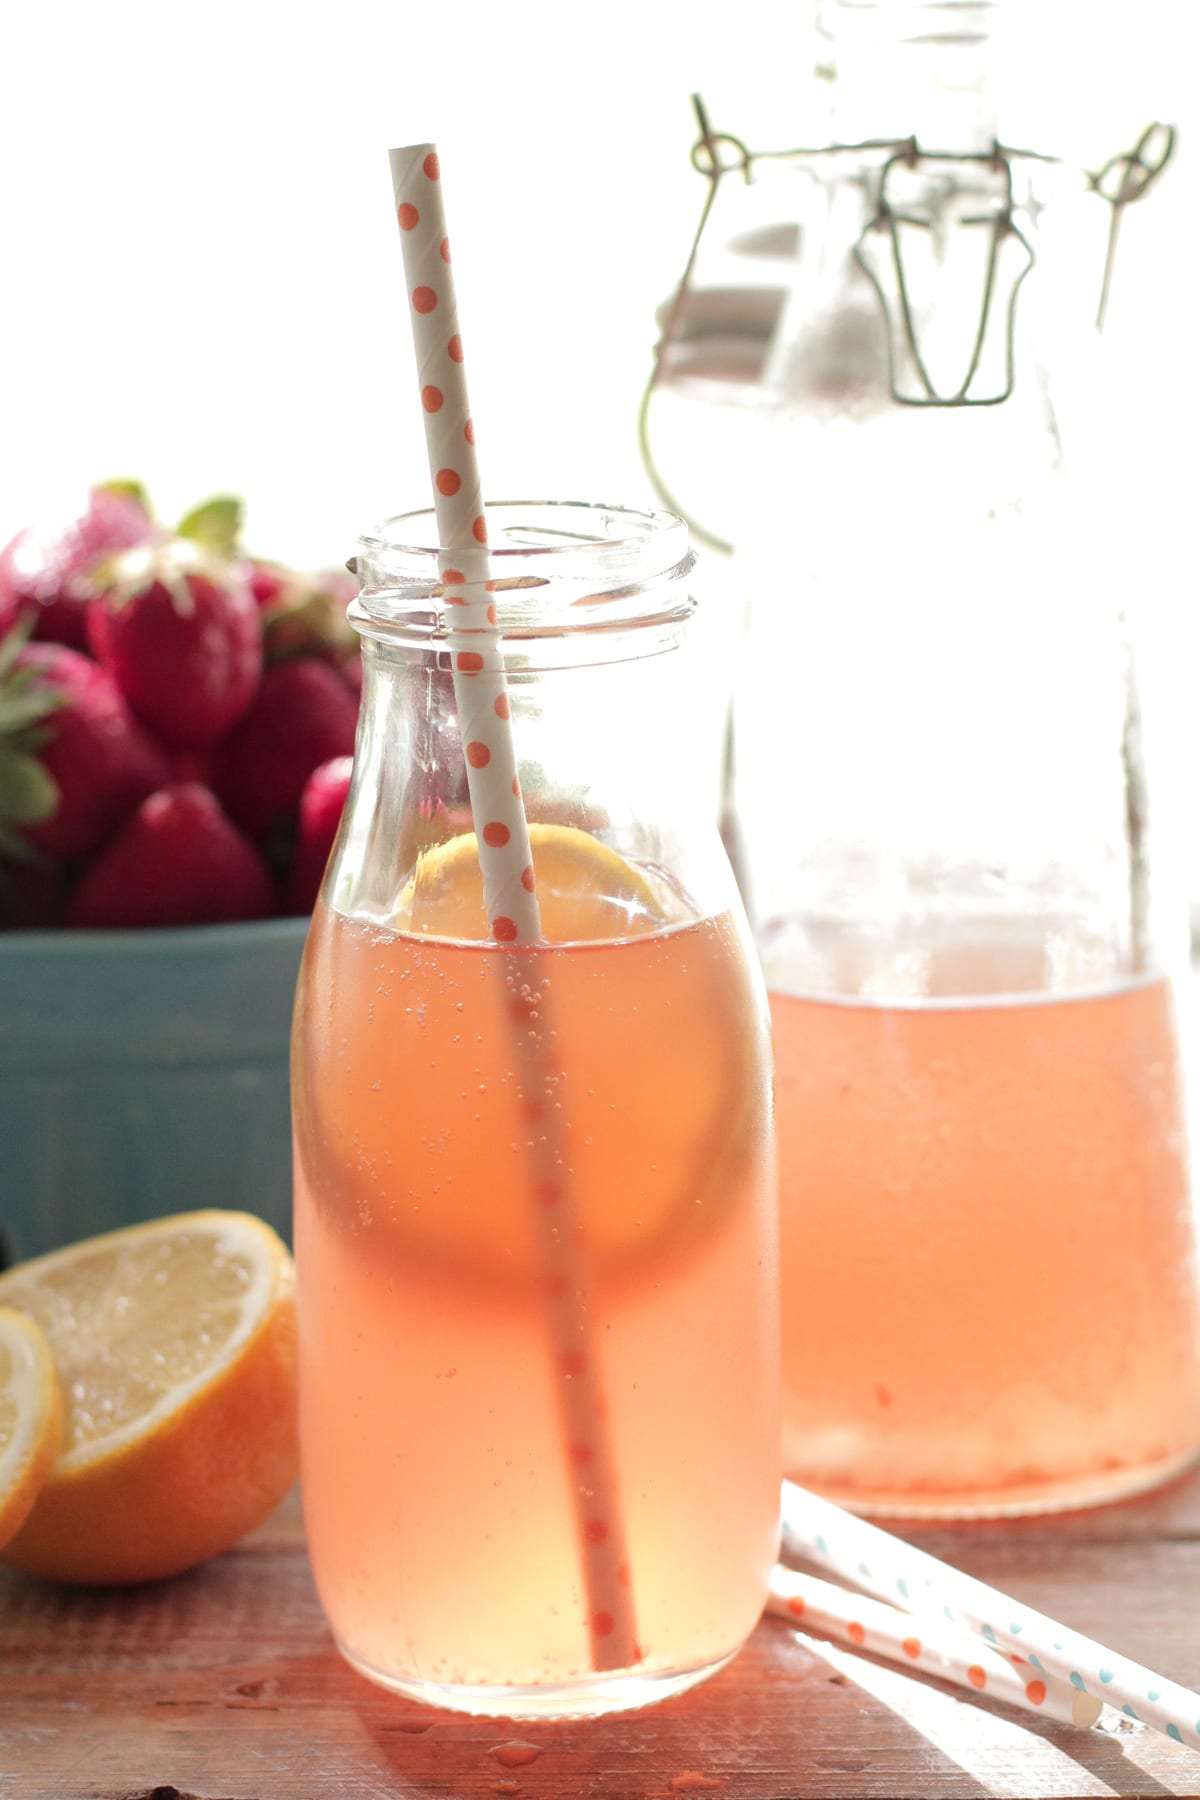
column 585, row 891
column 175, row 1347
column 630, row 1045
column 30, row 1418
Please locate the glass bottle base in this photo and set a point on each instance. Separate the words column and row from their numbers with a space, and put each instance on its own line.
column 590, row 1697
column 1019, row 1499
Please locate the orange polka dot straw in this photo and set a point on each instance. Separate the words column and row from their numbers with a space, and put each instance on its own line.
column 928, row 1643
column 1050, row 1661
column 510, row 887
column 477, row 659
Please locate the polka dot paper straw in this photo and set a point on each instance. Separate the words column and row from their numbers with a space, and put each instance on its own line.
column 926, row 1643
column 897, row 1572
column 509, row 888
column 566, row 1280
column 477, row 661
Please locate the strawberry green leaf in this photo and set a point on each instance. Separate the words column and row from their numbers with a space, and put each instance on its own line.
column 22, row 705
column 129, row 490
column 215, row 526
column 27, row 793
column 32, row 739
column 13, row 642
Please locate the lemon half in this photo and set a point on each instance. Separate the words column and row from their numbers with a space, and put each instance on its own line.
column 175, row 1345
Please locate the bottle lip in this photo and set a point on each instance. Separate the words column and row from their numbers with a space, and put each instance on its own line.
column 556, row 566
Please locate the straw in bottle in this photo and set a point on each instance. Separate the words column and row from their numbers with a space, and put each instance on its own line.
column 480, row 688
column 509, row 884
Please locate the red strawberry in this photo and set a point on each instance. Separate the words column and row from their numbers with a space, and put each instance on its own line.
column 302, row 715
column 270, row 583
column 46, row 571
column 321, row 806
column 306, row 616
column 177, row 861
column 98, row 756
column 181, row 637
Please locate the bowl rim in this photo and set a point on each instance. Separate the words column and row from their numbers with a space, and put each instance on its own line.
column 158, row 940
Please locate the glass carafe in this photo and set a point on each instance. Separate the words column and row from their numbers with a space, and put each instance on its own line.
column 960, row 892
column 523, row 1171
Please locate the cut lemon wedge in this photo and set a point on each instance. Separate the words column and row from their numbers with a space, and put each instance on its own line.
column 30, row 1418
column 175, row 1349
column 585, row 891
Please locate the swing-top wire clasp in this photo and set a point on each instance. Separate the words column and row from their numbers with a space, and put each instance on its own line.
column 716, row 156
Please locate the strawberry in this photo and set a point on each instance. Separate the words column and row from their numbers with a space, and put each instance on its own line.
column 177, row 861
column 302, row 715
column 99, row 759
column 46, row 571
column 270, row 582
column 321, row 806
column 30, row 885
column 306, row 616
column 180, row 634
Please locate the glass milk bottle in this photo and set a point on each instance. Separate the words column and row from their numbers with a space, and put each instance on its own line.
column 954, row 871
column 527, row 1174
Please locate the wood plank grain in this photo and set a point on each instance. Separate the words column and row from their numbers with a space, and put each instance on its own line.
column 224, row 1685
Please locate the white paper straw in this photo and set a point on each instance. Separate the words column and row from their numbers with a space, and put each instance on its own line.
column 477, row 661
column 924, row 1642
column 897, row 1572
column 502, row 837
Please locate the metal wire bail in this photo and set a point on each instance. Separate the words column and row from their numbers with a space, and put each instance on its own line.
column 905, row 355
column 1123, row 179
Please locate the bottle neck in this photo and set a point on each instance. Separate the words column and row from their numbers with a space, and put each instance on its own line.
column 910, row 68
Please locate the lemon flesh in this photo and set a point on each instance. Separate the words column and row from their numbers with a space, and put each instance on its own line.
column 174, row 1343
column 30, row 1418
column 585, row 891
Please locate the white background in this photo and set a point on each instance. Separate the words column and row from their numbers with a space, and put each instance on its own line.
column 201, row 278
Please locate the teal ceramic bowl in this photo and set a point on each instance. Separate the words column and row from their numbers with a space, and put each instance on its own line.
column 142, row 1073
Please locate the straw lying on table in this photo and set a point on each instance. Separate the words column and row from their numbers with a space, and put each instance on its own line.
column 509, row 886
column 925, row 1588
column 926, row 1643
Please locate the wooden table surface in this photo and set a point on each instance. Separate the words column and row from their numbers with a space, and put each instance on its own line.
column 224, row 1685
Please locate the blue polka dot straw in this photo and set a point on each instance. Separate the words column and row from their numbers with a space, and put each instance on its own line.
column 827, row 1535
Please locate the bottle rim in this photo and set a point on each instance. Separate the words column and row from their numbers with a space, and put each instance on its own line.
column 557, row 567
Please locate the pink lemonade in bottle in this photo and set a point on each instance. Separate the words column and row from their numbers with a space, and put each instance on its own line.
column 987, row 1249
column 437, row 1483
